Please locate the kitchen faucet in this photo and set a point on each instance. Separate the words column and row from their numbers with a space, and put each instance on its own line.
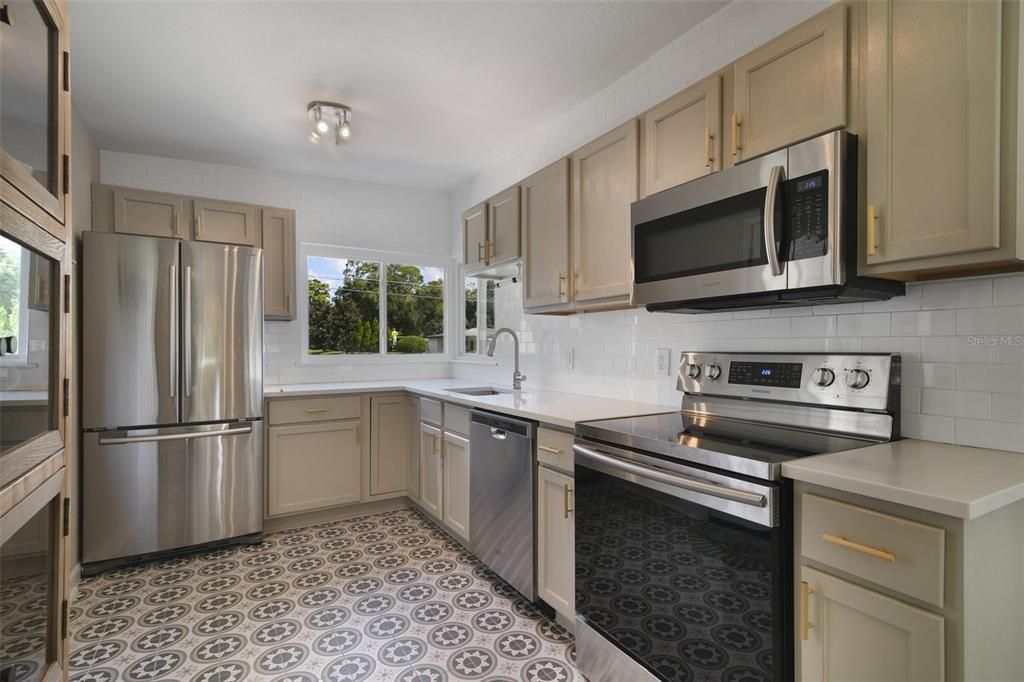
column 517, row 376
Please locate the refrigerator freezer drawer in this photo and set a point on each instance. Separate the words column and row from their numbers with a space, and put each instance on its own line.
column 152, row 490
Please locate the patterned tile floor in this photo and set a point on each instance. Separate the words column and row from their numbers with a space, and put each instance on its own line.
column 382, row 597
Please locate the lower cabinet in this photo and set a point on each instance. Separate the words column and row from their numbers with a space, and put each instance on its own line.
column 313, row 466
column 455, row 495
column 431, row 470
column 555, row 542
column 389, row 444
column 852, row 633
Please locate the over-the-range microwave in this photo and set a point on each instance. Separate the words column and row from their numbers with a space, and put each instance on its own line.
column 779, row 230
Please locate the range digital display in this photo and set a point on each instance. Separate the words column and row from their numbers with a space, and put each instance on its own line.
column 774, row 374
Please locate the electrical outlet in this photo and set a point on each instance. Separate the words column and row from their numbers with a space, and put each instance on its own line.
column 663, row 360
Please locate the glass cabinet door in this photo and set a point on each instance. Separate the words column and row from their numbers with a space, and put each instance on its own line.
column 32, row 112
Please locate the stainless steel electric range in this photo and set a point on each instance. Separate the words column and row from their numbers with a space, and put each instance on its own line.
column 684, row 567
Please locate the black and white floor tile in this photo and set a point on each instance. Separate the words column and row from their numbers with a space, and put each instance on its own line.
column 383, row 597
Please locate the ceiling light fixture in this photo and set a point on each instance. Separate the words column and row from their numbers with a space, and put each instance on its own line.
column 327, row 116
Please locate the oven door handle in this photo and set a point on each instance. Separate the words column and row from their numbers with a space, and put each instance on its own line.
column 769, row 220
column 685, row 482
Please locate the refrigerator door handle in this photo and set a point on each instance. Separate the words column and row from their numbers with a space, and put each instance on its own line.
column 172, row 324
column 121, row 440
column 188, row 330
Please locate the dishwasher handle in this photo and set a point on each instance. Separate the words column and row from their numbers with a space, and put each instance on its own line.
column 498, row 434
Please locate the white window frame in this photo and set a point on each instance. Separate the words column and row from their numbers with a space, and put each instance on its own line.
column 20, row 357
column 307, row 249
column 479, row 357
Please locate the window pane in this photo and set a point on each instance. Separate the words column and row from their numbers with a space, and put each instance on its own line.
column 344, row 306
column 478, row 307
column 27, row 280
column 415, row 312
column 26, row 87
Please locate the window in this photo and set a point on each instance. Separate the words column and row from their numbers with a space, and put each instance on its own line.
column 363, row 303
column 478, row 295
column 15, row 266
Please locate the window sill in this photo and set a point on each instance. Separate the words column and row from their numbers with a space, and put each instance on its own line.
column 423, row 359
column 469, row 360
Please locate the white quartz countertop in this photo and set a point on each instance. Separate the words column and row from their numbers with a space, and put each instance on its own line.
column 552, row 408
column 946, row 479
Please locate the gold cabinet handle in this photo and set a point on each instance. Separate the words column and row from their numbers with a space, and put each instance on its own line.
column 707, row 148
column 736, row 146
column 568, row 491
column 858, row 547
column 805, row 625
column 480, row 252
column 872, row 230
column 561, row 285
column 199, row 225
column 316, row 410
column 553, row 451
column 177, row 223
column 489, row 251
column 575, row 284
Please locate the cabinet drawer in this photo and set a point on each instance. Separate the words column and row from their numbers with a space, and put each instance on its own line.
column 893, row 552
column 326, row 408
column 456, row 419
column 554, row 448
column 430, row 411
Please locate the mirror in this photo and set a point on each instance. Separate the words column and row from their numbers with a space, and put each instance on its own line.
column 27, row 48
column 27, row 281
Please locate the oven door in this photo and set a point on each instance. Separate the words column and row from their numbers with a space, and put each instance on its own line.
column 716, row 236
column 681, row 573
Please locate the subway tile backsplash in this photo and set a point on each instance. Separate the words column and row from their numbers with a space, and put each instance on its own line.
column 962, row 343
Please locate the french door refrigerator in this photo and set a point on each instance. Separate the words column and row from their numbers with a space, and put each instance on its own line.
column 172, row 395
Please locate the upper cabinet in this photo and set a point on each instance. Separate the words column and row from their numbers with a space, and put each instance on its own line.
column 278, row 227
column 933, row 131
column 154, row 214
column 545, row 214
column 683, row 136
column 791, row 88
column 34, row 110
column 605, row 176
column 503, row 227
column 474, row 236
column 226, row 222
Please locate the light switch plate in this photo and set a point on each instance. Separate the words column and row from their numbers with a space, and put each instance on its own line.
column 663, row 360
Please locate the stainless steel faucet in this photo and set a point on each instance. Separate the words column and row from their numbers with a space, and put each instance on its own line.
column 517, row 377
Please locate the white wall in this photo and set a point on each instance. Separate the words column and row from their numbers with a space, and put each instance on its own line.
column 327, row 211
column 962, row 341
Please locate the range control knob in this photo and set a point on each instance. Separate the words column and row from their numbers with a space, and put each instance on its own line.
column 712, row 371
column 857, row 378
column 693, row 370
column 823, row 377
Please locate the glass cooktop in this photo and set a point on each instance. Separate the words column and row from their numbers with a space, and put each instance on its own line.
column 749, row 448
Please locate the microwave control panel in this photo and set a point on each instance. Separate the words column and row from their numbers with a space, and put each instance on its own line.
column 808, row 215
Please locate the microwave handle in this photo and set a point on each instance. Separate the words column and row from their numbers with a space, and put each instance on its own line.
column 769, row 220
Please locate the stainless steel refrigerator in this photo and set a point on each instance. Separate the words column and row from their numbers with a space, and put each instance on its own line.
column 172, row 395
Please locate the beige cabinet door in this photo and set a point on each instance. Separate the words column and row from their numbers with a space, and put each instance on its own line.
column 683, row 136
column 226, row 222
column 503, row 225
column 389, row 444
column 545, row 221
column 431, row 477
column 932, row 90
column 154, row 214
column 605, row 177
column 855, row 634
column 555, row 541
column 313, row 466
column 791, row 88
column 278, row 264
column 455, row 453
column 474, row 236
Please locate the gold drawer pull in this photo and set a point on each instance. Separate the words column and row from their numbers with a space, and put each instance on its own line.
column 805, row 625
column 553, row 451
column 857, row 547
column 316, row 410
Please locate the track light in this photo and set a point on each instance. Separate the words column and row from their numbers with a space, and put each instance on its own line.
column 327, row 116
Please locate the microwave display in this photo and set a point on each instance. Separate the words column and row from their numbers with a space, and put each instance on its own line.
column 774, row 374
column 807, row 204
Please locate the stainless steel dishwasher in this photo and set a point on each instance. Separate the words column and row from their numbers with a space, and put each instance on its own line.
column 501, row 497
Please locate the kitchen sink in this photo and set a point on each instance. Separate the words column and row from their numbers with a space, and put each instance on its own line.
column 483, row 390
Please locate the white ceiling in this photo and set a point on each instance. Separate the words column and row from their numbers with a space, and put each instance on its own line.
column 438, row 89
